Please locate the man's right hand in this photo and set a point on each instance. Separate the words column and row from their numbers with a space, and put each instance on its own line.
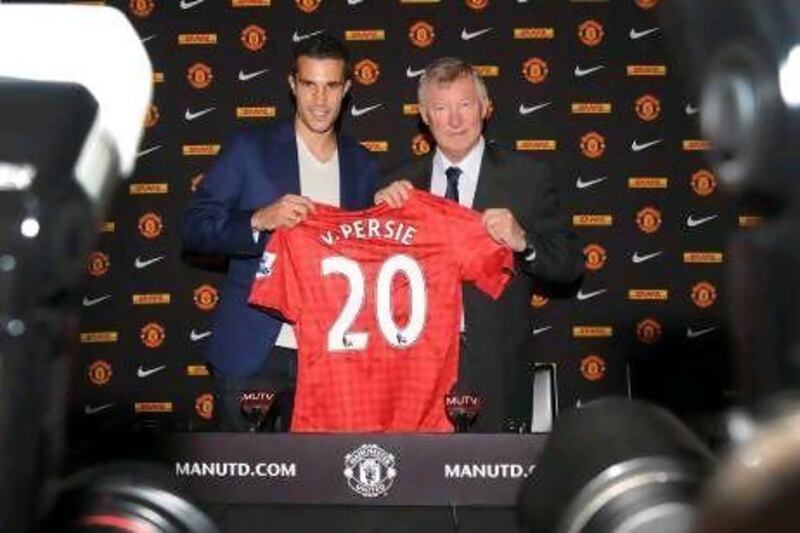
column 395, row 194
column 286, row 212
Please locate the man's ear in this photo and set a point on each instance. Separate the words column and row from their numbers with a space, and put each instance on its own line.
column 486, row 107
column 423, row 114
column 290, row 79
column 347, row 85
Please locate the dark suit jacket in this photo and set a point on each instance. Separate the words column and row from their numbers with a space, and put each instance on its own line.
column 257, row 167
column 496, row 347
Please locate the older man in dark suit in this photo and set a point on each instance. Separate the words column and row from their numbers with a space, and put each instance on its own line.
column 520, row 208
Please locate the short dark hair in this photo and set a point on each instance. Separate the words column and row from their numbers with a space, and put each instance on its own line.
column 322, row 45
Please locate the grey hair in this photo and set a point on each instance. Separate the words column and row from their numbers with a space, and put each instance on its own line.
column 447, row 70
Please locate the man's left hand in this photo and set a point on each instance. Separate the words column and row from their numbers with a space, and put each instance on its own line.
column 504, row 229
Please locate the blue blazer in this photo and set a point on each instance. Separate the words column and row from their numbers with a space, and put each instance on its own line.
column 256, row 167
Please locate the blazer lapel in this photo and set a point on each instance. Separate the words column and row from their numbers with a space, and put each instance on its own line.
column 485, row 194
column 283, row 163
column 348, row 175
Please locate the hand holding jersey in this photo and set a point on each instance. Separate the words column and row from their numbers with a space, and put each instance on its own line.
column 375, row 296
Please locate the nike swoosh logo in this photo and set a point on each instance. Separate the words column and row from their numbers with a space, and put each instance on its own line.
column 356, row 112
column 142, row 373
column 89, row 302
column 694, row 333
column 527, row 110
column 144, row 263
column 297, row 37
column 581, row 72
column 354, row 2
column 148, row 38
column 636, row 258
column 195, row 336
column 246, row 76
column 414, row 73
column 91, row 410
column 583, row 296
column 639, row 34
column 637, row 147
column 691, row 110
column 189, row 4
column 694, row 222
column 469, row 35
column 581, row 184
column 148, row 150
column 537, row 331
column 190, row 116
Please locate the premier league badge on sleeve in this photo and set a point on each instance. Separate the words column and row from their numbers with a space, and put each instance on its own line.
column 265, row 265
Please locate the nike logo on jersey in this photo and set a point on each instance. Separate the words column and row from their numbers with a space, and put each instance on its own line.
column 636, row 146
column 89, row 302
column 527, row 110
column 247, row 76
column 190, row 115
column 142, row 373
column 636, row 258
column 356, row 112
column 469, row 35
column 581, row 72
column 580, row 183
column 140, row 263
column 694, row 222
column 583, row 296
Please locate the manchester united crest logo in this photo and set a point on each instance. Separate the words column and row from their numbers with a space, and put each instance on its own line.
column 366, row 72
column 648, row 219
column 150, row 225
column 98, row 264
column 593, row 367
column 420, row 144
column 99, row 373
column 204, row 406
column 205, row 297
column 254, row 37
column 199, row 75
column 141, row 8
column 704, row 294
column 535, row 70
column 421, row 34
column 538, row 300
column 307, row 6
column 591, row 33
column 370, row 470
column 152, row 335
column 648, row 107
column 703, row 182
column 152, row 117
column 593, row 145
column 648, row 331
column 595, row 256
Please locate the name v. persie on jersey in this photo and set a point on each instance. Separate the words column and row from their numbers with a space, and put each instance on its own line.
column 372, row 228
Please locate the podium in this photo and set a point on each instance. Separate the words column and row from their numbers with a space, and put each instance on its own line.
column 352, row 469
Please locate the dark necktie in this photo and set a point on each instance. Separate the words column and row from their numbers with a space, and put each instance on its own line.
column 452, row 173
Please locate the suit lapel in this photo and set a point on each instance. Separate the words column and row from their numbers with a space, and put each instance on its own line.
column 348, row 180
column 283, row 164
column 485, row 194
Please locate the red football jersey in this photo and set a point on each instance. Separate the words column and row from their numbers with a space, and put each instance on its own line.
column 375, row 297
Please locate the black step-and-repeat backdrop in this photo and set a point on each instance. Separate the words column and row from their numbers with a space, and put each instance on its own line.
column 584, row 85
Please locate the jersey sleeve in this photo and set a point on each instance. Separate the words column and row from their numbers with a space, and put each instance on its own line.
column 488, row 265
column 276, row 284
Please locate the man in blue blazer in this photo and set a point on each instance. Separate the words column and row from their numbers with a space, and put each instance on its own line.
column 265, row 179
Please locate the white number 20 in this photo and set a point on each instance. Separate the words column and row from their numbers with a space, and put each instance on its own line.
column 339, row 336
